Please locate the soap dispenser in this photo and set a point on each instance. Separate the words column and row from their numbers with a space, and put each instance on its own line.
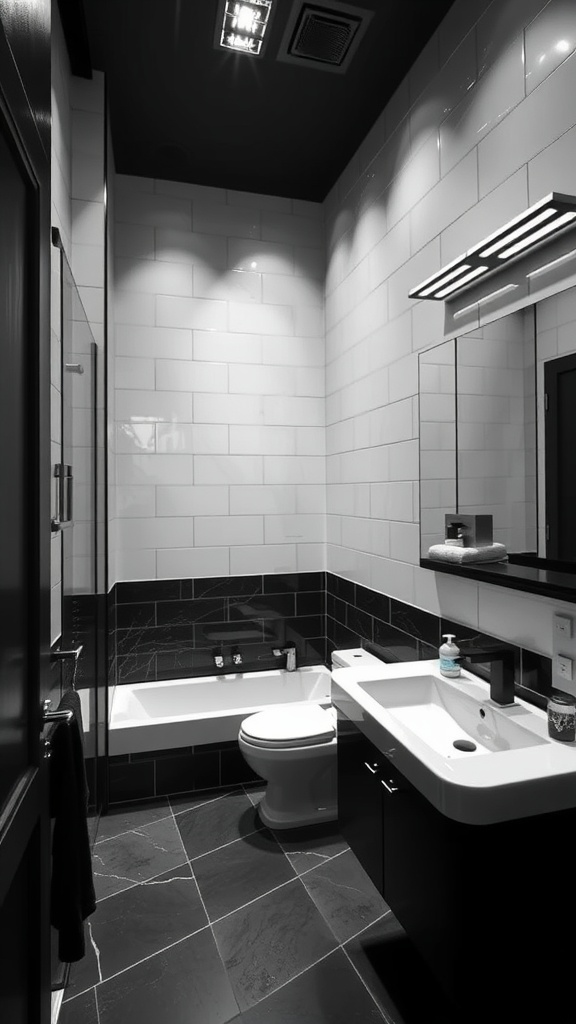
column 449, row 657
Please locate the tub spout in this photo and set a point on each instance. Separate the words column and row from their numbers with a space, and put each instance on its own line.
column 290, row 653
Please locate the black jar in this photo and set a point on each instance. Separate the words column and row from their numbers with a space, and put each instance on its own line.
column 562, row 716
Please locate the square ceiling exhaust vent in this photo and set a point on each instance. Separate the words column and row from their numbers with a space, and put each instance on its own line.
column 323, row 35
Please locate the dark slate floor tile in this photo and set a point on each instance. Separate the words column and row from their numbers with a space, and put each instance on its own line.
column 84, row 973
column 328, row 993
column 130, row 816
column 146, row 918
column 255, row 793
column 81, row 1010
column 136, row 856
column 344, row 895
column 184, row 984
column 309, row 847
column 270, row 941
column 211, row 825
column 250, row 867
column 400, row 982
column 187, row 801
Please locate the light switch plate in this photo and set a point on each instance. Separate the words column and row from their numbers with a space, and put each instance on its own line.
column 563, row 626
column 564, row 666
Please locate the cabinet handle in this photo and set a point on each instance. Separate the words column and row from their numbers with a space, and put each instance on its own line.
column 389, row 786
column 373, row 769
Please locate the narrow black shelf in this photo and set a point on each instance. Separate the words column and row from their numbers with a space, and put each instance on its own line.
column 530, row 579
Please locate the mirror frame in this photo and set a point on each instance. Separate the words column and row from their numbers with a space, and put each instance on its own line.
column 540, row 275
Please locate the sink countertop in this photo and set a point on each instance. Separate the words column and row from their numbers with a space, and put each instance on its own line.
column 493, row 787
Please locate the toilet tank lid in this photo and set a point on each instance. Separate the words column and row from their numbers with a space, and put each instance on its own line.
column 353, row 656
column 284, row 723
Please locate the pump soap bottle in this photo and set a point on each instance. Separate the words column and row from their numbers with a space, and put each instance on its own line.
column 449, row 657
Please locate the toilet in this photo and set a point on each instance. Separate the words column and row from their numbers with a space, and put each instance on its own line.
column 293, row 747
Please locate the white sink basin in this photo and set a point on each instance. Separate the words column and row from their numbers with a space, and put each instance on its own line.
column 442, row 716
column 504, row 764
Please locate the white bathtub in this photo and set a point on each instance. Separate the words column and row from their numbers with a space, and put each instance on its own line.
column 187, row 712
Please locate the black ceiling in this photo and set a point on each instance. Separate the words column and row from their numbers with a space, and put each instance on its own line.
column 182, row 110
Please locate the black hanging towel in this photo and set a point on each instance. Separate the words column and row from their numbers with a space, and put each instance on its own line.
column 72, row 896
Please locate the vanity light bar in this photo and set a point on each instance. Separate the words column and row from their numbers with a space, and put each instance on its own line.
column 484, row 300
column 553, row 263
column 554, row 213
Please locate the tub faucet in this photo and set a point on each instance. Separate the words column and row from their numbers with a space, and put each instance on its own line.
column 236, row 658
column 218, row 660
column 501, row 671
column 290, row 653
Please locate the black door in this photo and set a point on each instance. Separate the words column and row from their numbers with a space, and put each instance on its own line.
column 24, row 553
column 560, row 445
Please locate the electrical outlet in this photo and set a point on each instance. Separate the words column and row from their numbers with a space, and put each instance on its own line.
column 564, row 666
column 563, row 626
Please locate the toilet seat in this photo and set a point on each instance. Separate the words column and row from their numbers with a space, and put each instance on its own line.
column 289, row 727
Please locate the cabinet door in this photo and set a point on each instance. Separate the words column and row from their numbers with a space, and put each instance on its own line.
column 360, row 797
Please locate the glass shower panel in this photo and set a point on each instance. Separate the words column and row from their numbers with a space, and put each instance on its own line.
column 79, row 534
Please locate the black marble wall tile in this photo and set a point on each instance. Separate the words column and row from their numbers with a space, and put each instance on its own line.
column 373, row 603
column 339, row 636
column 310, row 602
column 234, row 769
column 467, row 637
column 295, row 582
column 129, row 616
column 423, row 625
column 360, row 622
column 182, row 613
column 138, row 591
column 136, row 668
column 261, row 606
column 226, row 586
column 188, row 772
column 341, row 588
column 336, row 608
column 392, row 644
column 131, row 781
column 536, row 678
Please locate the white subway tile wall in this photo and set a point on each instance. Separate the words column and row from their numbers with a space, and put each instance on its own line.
column 483, row 126
column 219, row 381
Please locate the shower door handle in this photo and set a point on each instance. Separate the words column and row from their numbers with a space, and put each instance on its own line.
column 64, row 491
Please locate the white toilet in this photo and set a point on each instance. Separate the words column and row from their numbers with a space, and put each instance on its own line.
column 293, row 747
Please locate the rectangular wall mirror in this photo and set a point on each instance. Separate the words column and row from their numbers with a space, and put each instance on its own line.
column 498, row 437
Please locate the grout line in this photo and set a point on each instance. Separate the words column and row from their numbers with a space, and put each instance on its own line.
column 255, row 900
column 171, row 814
column 316, row 867
column 144, row 881
column 254, row 832
column 389, row 1020
column 366, row 927
column 96, row 1003
column 138, row 962
column 208, row 919
column 109, row 839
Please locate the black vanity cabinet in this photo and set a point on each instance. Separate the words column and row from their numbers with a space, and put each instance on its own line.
column 477, row 901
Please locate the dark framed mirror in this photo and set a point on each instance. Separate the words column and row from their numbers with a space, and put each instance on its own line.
column 498, row 439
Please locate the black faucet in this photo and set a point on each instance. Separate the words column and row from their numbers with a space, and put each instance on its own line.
column 501, row 671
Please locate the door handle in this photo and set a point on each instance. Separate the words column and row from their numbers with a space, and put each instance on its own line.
column 372, row 768
column 64, row 491
column 55, row 716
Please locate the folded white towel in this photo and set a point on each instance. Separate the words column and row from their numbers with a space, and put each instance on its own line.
column 456, row 555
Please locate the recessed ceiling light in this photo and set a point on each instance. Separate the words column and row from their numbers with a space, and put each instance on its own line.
column 242, row 24
column 550, row 216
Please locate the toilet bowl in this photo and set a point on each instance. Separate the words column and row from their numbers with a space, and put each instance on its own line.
column 293, row 747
